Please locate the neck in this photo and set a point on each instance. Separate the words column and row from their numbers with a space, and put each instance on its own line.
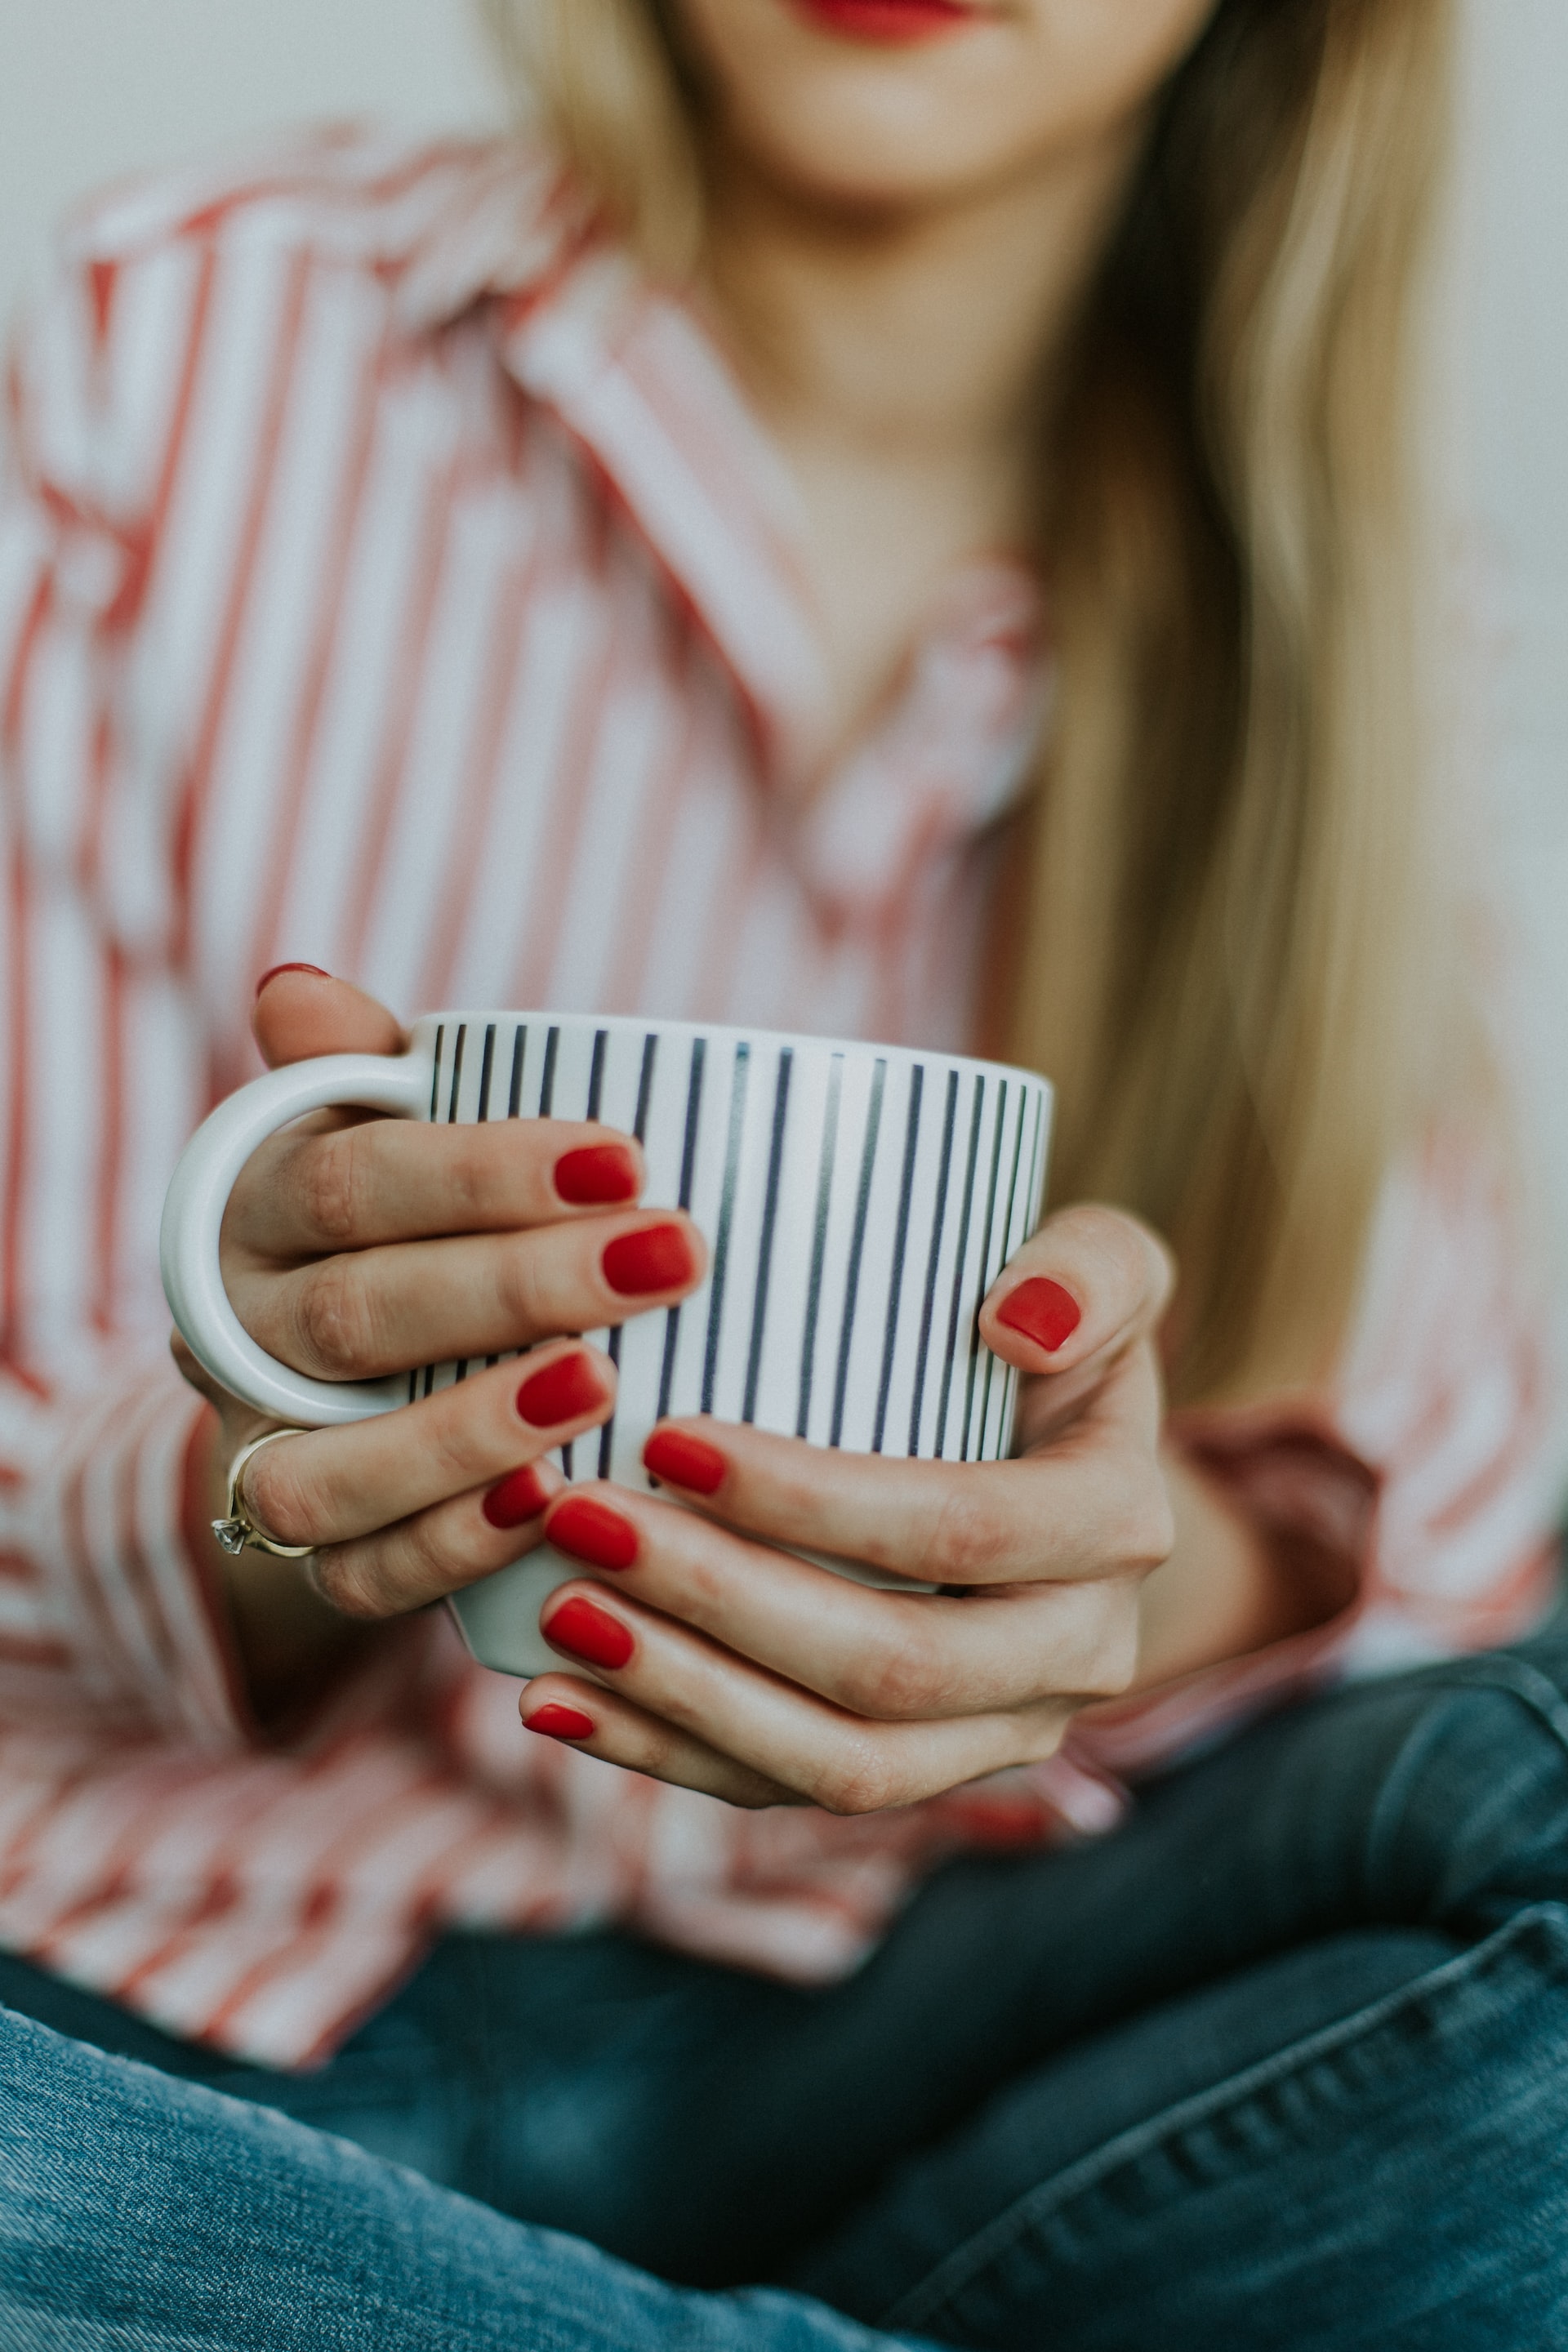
column 922, row 335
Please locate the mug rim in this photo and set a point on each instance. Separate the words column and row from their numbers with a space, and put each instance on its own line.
column 729, row 1032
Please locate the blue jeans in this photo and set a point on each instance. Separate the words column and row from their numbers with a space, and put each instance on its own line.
column 1283, row 2063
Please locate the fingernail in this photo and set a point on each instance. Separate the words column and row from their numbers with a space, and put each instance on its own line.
column 564, row 1391
column 685, row 1461
column 521, row 1496
column 588, row 1529
column 267, row 977
column 657, row 1259
column 586, row 1632
column 558, row 1722
column 1043, row 1311
column 597, row 1174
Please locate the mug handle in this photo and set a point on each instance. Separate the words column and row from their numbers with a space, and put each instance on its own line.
column 192, row 1221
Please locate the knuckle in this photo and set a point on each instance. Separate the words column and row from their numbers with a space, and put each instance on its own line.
column 968, row 1537
column 905, row 1680
column 521, row 1288
column 334, row 1320
column 475, row 1183
column 327, row 1174
column 346, row 1581
column 280, row 1500
column 859, row 1779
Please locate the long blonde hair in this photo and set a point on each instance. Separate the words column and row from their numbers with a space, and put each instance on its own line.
column 1225, row 957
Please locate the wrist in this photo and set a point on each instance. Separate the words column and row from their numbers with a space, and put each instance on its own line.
column 1227, row 1590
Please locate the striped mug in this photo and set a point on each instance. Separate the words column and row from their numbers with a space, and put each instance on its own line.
column 859, row 1201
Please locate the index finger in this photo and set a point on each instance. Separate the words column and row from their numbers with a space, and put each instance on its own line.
column 1093, row 1506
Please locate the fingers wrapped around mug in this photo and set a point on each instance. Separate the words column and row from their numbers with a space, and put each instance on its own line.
column 365, row 1312
column 669, row 1701
column 879, row 1652
column 408, row 1506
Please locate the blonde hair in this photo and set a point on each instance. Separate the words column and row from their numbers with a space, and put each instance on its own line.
column 1225, row 957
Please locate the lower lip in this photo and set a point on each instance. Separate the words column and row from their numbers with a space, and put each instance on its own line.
column 899, row 21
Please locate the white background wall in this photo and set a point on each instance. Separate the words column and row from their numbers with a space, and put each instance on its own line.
column 92, row 87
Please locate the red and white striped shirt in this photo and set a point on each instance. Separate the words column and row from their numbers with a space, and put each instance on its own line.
column 390, row 579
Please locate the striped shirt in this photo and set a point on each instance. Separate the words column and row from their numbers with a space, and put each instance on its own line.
column 390, row 579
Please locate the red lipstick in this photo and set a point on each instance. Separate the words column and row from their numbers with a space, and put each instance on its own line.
column 888, row 20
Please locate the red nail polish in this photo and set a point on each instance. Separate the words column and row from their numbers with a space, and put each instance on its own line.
column 599, row 1174
column 268, row 977
column 587, row 1530
column 564, row 1391
column 1043, row 1311
column 586, row 1632
column 558, row 1722
column 521, row 1496
column 657, row 1259
column 686, row 1461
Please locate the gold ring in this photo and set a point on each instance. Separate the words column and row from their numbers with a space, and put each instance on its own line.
column 239, row 1532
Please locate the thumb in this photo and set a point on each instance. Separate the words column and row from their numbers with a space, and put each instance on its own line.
column 1089, row 1285
column 300, row 1011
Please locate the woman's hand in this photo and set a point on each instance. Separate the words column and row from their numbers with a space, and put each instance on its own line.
column 355, row 1247
column 721, row 1662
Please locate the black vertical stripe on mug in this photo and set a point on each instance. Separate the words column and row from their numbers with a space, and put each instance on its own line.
column 982, row 1285
column 639, row 1129
column 928, row 1296
column 857, row 1248
column 687, row 1161
column 487, row 1071
column 901, row 1241
column 739, row 1080
column 435, row 1073
column 645, row 1086
column 518, row 1054
column 1003, row 1253
column 765, row 1246
column 547, row 1083
column 955, row 1309
column 596, row 1073
column 414, row 1377
column 819, row 1240
column 456, row 1072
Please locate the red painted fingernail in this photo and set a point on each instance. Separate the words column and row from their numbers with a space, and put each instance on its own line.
column 590, row 1531
column 558, row 1722
column 685, row 1461
column 657, row 1258
column 521, row 1496
column 268, row 977
column 597, row 1174
column 586, row 1632
column 1043, row 1311
column 564, row 1391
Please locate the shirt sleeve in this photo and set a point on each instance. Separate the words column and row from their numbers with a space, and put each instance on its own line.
column 1420, row 1495
column 104, row 1617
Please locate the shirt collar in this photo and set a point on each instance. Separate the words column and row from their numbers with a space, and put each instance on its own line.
column 636, row 381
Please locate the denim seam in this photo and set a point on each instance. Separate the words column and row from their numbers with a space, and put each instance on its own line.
column 958, row 2269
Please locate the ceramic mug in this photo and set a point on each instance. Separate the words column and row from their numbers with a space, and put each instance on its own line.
column 859, row 1201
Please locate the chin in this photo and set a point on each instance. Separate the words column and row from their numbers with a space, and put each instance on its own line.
column 880, row 142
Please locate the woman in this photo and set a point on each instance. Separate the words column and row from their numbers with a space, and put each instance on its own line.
column 890, row 520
